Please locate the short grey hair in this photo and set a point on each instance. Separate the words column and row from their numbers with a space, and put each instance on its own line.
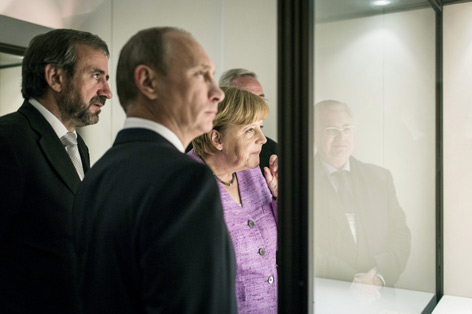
column 228, row 76
column 322, row 106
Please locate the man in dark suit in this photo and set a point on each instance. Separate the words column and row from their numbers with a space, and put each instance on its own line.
column 247, row 80
column 64, row 84
column 151, row 237
column 360, row 230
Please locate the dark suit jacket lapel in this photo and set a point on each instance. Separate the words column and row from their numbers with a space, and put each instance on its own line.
column 51, row 146
column 84, row 153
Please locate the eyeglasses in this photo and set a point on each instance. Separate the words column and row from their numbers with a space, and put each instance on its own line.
column 334, row 132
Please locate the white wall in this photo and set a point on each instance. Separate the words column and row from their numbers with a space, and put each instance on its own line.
column 234, row 34
column 10, row 86
column 250, row 41
column 458, row 149
column 383, row 67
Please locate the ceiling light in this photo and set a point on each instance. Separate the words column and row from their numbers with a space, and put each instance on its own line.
column 381, row 2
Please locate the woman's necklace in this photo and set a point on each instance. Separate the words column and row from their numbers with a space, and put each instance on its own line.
column 226, row 183
column 222, row 182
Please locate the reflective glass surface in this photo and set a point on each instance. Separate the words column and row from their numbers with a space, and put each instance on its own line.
column 373, row 215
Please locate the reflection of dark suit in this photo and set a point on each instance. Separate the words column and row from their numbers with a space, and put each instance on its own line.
column 268, row 149
column 37, row 187
column 383, row 238
column 151, row 236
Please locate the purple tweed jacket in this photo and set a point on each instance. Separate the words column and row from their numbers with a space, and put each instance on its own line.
column 253, row 230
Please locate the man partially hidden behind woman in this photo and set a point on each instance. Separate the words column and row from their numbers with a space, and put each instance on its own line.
column 231, row 150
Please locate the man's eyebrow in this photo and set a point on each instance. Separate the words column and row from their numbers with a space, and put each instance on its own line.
column 205, row 67
column 101, row 72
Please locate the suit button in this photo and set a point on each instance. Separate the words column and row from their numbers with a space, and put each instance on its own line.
column 261, row 251
column 250, row 223
column 270, row 280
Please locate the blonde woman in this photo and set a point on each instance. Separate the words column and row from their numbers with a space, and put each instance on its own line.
column 231, row 150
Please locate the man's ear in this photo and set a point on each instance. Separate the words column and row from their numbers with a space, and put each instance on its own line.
column 216, row 139
column 54, row 77
column 145, row 80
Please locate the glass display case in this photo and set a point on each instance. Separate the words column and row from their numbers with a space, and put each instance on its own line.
column 364, row 185
column 374, row 120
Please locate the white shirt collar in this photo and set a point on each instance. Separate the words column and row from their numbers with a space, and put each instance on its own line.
column 330, row 169
column 55, row 123
column 156, row 127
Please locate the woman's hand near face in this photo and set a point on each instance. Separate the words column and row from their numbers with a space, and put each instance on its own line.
column 272, row 175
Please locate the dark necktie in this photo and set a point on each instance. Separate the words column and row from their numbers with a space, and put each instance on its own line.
column 343, row 184
column 344, row 188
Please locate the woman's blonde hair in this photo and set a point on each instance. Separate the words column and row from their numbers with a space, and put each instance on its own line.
column 239, row 107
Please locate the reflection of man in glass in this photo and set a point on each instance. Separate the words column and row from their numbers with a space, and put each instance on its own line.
column 360, row 230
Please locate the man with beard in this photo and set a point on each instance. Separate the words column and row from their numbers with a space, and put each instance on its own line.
column 42, row 162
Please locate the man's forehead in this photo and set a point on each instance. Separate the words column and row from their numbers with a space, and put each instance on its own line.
column 334, row 118
column 336, row 113
column 187, row 51
column 84, row 50
column 86, row 61
column 248, row 83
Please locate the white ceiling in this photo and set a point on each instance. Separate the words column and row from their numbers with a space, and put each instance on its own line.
column 332, row 10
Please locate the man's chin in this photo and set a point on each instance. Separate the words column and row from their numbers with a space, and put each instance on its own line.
column 338, row 163
column 94, row 120
column 206, row 128
column 89, row 120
